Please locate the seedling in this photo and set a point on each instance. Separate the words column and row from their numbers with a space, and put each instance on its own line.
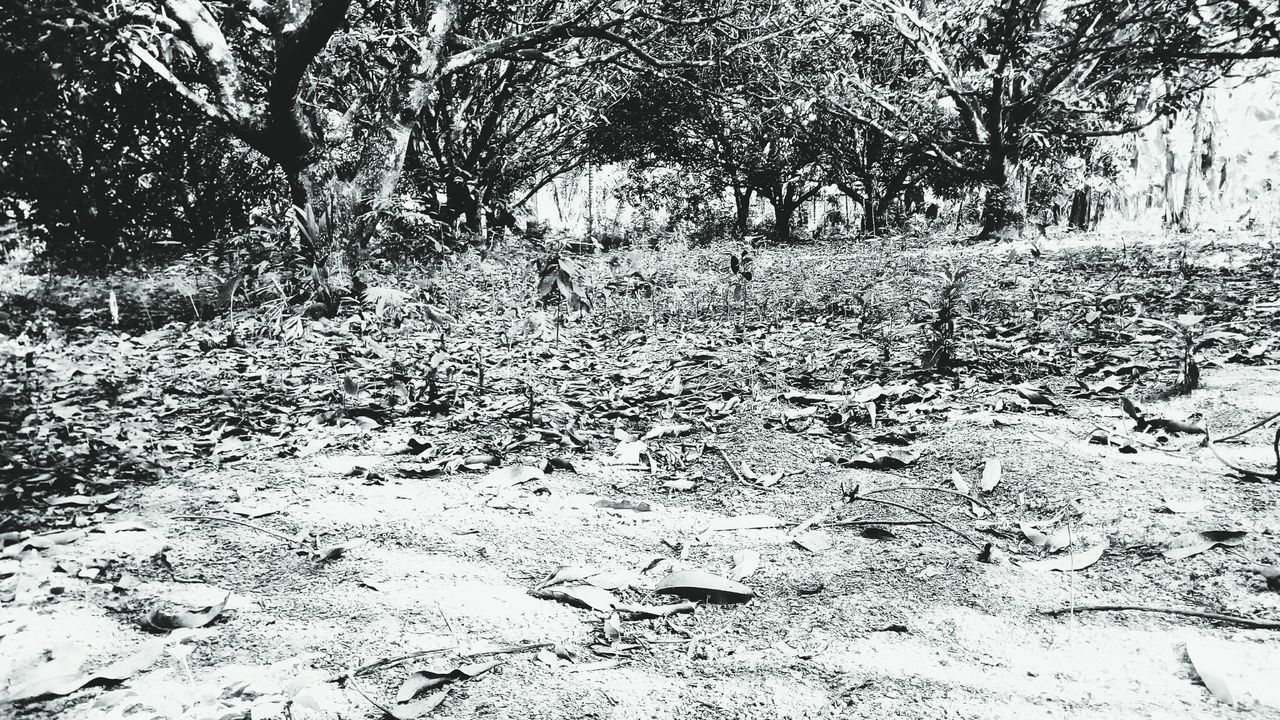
column 1187, row 332
column 940, row 322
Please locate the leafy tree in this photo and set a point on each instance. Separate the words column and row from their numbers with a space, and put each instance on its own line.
column 264, row 73
column 105, row 166
column 731, row 122
column 1021, row 75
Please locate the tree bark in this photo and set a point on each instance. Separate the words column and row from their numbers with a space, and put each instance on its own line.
column 742, row 208
column 1189, row 214
column 1004, row 212
column 783, row 213
column 386, row 143
column 1081, row 200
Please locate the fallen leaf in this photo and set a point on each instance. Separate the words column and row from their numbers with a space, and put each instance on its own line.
column 745, row 564
column 1208, row 663
column 1194, row 543
column 633, row 505
column 1073, row 561
column 513, row 475
column 630, row 452
column 43, row 542
column 883, row 459
column 697, row 584
column 83, row 500
column 161, row 620
column 661, row 431
column 960, row 484
column 588, row 596
column 813, row 541
column 63, row 684
column 990, row 475
column 744, row 522
column 680, row 485
column 418, row 708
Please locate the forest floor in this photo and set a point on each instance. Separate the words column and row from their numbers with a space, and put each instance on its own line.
column 398, row 488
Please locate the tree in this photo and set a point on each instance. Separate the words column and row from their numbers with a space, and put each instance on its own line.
column 731, row 122
column 1022, row 74
column 261, row 71
column 106, row 167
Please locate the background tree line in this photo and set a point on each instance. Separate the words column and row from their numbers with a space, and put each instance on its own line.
column 319, row 134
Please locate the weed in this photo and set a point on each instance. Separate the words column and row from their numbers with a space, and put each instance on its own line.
column 939, row 326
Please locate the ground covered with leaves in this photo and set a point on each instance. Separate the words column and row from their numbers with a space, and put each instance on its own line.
column 845, row 479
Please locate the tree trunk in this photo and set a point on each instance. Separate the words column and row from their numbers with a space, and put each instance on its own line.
column 742, row 209
column 1189, row 214
column 1081, row 200
column 873, row 216
column 1004, row 212
column 784, row 210
column 386, row 143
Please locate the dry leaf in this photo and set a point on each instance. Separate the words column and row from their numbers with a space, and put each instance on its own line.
column 63, row 684
column 162, row 620
column 813, row 541
column 1194, row 543
column 587, row 596
column 418, row 708
column 990, row 475
column 661, row 431
column 513, row 475
column 745, row 522
column 701, row 585
column 1074, row 561
column 960, row 484
column 83, row 500
column 1208, row 663
column 745, row 564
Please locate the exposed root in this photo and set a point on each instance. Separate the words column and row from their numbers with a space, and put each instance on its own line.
column 1188, row 612
column 1275, row 446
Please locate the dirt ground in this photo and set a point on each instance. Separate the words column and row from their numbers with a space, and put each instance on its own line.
column 908, row 624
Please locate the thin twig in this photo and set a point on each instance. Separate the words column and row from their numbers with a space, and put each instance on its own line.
column 924, row 515
column 1208, row 441
column 1251, row 428
column 511, row 650
column 386, row 662
column 1236, row 619
column 864, row 521
column 957, row 493
column 351, row 682
column 733, row 469
column 241, row 523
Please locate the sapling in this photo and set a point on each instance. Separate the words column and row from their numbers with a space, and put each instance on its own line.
column 1187, row 331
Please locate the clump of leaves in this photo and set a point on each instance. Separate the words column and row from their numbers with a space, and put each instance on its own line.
column 561, row 281
column 939, row 324
column 56, row 436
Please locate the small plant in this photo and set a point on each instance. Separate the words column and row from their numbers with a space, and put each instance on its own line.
column 742, row 270
column 561, row 282
column 939, row 325
column 1187, row 332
